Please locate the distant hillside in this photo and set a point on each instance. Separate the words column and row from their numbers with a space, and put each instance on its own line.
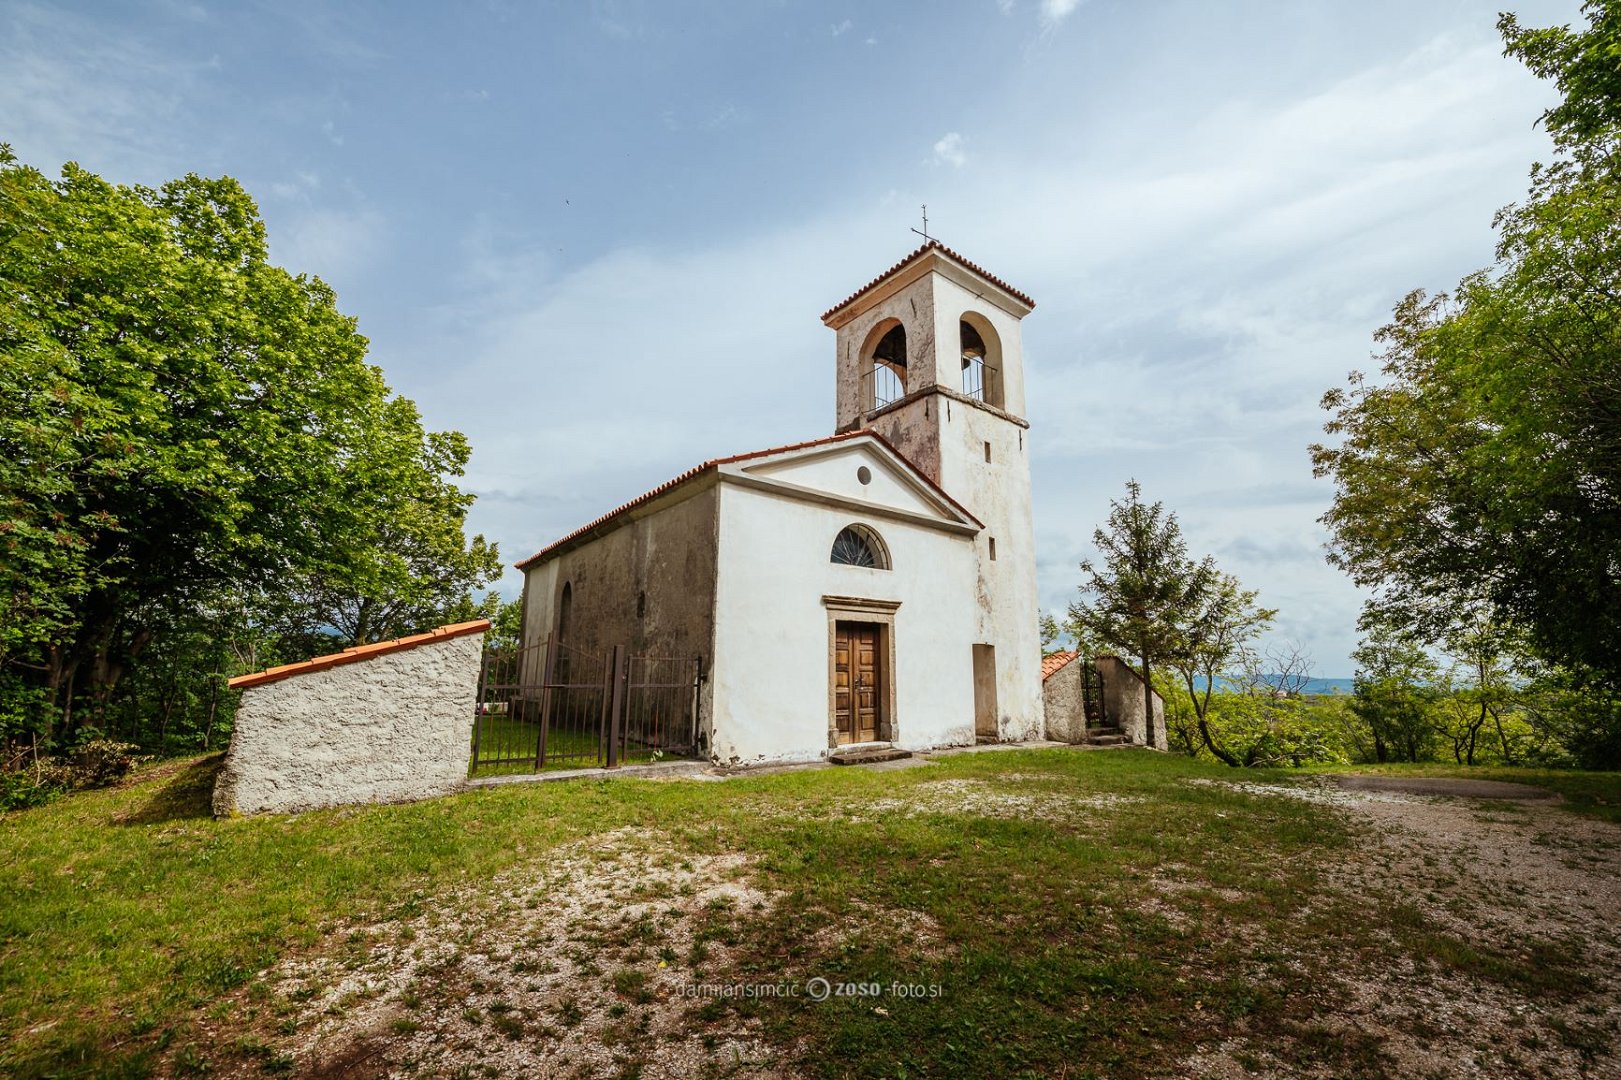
column 1313, row 686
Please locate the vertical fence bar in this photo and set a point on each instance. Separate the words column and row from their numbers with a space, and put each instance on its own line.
column 478, row 704
column 616, row 702
column 697, row 685
column 546, row 665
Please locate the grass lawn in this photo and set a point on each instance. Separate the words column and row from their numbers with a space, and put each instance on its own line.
column 1088, row 914
column 501, row 739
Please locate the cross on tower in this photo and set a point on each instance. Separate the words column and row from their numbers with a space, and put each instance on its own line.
column 925, row 231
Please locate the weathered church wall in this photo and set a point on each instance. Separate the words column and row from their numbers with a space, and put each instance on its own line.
column 647, row 585
column 911, row 306
column 771, row 677
column 383, row 723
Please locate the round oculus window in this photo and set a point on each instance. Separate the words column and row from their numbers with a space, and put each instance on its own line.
column 864, row 474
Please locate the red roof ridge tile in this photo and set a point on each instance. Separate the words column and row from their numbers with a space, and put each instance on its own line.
column 1053, row 663
column 715, row 463
column 931, row 245
column 356, row 653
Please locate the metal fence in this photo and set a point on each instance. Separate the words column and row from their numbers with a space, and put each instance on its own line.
column 551, row 705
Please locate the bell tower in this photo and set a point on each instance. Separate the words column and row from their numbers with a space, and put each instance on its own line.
column 929, row 357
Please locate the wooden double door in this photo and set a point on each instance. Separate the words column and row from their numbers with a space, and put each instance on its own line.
column 858, row 676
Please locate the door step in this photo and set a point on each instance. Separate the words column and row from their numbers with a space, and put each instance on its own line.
column 867, row 755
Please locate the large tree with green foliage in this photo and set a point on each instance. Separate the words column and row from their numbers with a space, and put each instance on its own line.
column 1139, row 598
column 184, row 426
column 1480, row 476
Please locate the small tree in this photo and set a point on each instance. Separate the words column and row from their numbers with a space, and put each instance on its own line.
column 1395, row 693
column 1142, row 590
column 1214, row 633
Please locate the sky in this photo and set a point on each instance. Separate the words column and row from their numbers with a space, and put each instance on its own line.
column 597, row 236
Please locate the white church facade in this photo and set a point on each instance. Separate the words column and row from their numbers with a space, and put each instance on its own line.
column 876, row 586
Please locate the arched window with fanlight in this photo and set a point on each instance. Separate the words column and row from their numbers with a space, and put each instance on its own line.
column 857, row 545
column 981, row 359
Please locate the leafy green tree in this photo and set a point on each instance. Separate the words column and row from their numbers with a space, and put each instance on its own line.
column 180, row 422
column 1395, row 694
column 1480, row 476
column 1583, row 65
column 1142, row 590
column 1050, row 632
column 1213, row 634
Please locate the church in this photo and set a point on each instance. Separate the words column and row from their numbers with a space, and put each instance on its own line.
column 875, row 587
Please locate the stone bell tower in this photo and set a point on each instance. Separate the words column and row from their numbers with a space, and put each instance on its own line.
column 929, row 357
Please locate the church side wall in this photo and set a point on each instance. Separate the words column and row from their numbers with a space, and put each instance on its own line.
column 771, row 673
column 667, row 558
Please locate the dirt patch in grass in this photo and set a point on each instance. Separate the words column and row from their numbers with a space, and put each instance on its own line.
column 980, row 798
column 1444, row 785
column 1490, row 944
column 591, row 964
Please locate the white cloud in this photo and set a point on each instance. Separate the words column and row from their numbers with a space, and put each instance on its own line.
column 333, row 244
column 72, row 93
column 1054, row 12
column 842, row 28
column 948, row 150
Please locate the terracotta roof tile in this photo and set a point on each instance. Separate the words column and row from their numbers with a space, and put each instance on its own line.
column 714, row 463
column 1053, row 663
column 932, row 245
column 356, row 653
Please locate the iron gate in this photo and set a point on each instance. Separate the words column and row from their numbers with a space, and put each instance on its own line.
column 552, row 705
column 1092, row 693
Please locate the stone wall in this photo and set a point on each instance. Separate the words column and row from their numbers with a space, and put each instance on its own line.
column 388, row 722
column 1063, row 710
column 1123, row 701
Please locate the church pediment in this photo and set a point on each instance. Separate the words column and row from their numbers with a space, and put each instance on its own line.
column 863, row 472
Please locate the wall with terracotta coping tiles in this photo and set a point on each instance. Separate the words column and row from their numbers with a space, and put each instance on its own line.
column 388, row 722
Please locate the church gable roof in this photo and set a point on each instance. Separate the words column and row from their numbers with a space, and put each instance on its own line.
column 732, row 465
column 945, row 252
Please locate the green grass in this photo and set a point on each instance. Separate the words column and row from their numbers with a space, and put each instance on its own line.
column 500, row 737
column 1596, row 794
column 129, row 913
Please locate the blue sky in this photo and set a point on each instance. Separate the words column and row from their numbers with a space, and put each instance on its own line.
column 596, row 237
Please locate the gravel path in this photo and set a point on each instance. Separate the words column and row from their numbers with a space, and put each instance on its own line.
column 1525, row 878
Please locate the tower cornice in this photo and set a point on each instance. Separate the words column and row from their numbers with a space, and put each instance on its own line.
column 932, row 257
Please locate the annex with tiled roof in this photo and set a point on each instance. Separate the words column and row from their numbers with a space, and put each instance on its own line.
column 932, row 245
column 715, row 463
column 357, row 653
column 1053, row 663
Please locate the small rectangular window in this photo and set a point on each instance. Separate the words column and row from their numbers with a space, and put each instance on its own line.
column 987, row 451
column 993, row 549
